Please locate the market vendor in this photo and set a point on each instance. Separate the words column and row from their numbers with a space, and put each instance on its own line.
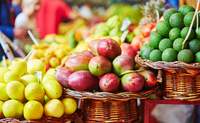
column 26, row 21
column 51, row 14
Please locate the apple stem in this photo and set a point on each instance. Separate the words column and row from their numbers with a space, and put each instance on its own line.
column 192, row 23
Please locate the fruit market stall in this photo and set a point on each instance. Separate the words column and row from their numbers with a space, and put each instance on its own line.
column 108, row 71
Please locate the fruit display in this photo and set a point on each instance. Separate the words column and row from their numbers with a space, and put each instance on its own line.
column 110, row 70
column 27, row 91
column 176, row 37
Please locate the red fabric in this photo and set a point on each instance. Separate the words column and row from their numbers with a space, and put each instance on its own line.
column 150, row 104
column 50, row 15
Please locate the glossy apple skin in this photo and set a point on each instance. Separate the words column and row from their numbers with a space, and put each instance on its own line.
column 128, row 50
column 62, row 75
column 133, row 82
column 150, row 78
column 109, row 82
column 82, row 81
column 108, row 48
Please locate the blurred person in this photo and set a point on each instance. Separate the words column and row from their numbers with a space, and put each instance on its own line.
column 51, row 14
column 7, row 17
column 26, row 21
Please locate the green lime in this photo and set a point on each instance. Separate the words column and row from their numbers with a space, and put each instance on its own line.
column 197, row 57
column 155, row 55
column 184, row 32
column 174, row 33
column 188, row 19
column 169, row 55
column 185, row 55
column 185, row 9
column 145, row 51
column 198, row 33
column 165, row 43
column 176, row 20
column 194, row 45
column 155, row 39
column 168, row 13
column 163, row 28
column 177, row 45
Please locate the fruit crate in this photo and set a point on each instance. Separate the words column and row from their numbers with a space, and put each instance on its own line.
column 180, row 80
column 109, row 107
column 64, row 119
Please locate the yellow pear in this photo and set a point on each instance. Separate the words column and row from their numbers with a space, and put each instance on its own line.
column 52, row 88
column 29, row 78
column 35, row 65
column 18, row 66
column 54, row 108
column 70, row 105
column 33, row 110
column 3, row 70
column 34, row 91
column 12, row 109
column 15, row 90
column 10, row 76
column 3, row 94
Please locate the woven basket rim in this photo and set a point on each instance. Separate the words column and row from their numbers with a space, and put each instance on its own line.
column 159, row 65
column 122, row 96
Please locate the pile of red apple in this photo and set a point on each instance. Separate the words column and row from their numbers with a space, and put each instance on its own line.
column 111, row 70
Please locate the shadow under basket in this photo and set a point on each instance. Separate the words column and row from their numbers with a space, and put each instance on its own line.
column 107, row 107
column 180, row 80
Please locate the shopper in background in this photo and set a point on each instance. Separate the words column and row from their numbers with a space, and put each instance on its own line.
column 51, row 14
column 8, row 13
column 26, row 21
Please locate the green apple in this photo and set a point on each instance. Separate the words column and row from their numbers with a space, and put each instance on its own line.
column 33, row 110
column 3, row 94
column 3, row 70
column 29, row 78
column 10, row 76
column 15, row 90
column 35, row 65
column 12, row 109
column 18, row 66
column 34, row 91
column 52, row 88
column 54, row 108
column 1, row 112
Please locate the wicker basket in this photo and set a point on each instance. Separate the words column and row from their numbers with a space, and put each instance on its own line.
column 64, row 119
column 181, row 80
column 108, row 107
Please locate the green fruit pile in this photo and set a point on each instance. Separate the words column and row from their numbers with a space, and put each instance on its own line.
column 26, row 91
column 166, row 42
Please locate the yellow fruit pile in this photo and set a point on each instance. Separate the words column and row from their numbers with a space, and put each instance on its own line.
column 27, row 91
column 51, row 54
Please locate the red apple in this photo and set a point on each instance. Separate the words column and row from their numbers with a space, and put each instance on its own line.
column 128, row 50
column 62, row 75
column 150, row 78
column 133, row 82
column 109, row 82
column 136, row 43
column 108, row 48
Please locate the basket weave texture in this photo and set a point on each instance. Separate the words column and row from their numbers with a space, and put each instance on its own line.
column 109, row 107
column 180, row 80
